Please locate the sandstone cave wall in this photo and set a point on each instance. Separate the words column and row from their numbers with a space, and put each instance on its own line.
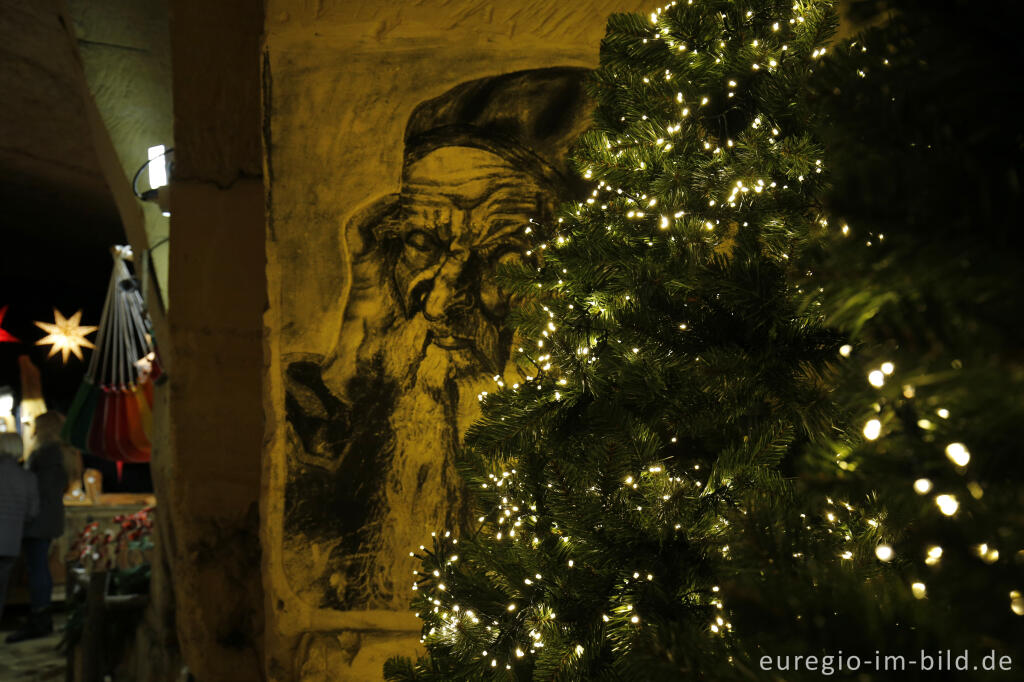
column 404, row 143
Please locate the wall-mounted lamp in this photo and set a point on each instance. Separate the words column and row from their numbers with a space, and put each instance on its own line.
column 160, row 166
column 157, row 171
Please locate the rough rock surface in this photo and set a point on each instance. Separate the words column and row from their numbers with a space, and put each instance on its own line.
column 405, row 142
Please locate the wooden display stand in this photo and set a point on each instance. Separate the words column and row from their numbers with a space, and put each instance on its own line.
column 86, row 659
column 91, row 506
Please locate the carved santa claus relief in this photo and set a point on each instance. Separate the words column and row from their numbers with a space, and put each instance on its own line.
column 375, row 424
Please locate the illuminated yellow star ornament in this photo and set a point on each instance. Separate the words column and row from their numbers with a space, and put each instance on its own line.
column 66, row 335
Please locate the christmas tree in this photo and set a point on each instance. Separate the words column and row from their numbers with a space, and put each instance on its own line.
column 918, row 270
column 667, row 371
column 766, row 407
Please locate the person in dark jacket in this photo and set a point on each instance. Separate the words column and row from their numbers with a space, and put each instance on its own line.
column 46, row 461
column 19, row 502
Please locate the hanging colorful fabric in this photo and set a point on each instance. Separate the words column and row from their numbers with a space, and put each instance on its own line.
column 97, row 443
column 111, row 415
column 127, row 411
column 122, row 444
column 76, row 426
column 145, row 410
column 133, row 419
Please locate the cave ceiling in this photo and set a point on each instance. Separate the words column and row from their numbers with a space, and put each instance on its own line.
column 51, row 186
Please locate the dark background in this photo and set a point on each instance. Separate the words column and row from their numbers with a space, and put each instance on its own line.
column 43, row 266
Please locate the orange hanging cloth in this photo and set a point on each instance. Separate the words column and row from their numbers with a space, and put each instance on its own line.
column 126, row 407
column 133, row 419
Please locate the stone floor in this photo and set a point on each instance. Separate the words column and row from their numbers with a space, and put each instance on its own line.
column 34, row 661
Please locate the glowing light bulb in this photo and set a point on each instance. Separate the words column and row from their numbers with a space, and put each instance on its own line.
column 958, row 454
column 876, row 378
column 157, row 166
column 922, row 486
column 872, row 429
column 884, row 553
column 1017, row 602
column 845, row 350
column 933, row 556
column 920, row 590
column 947, row 504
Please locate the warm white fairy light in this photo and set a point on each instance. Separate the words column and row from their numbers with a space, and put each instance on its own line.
column 919, row 590
column 958, row 454
column 947, row 504
column 884, row 552
column 1017, row 602
column 922, row 486
column 872, row 429
column 987, row 553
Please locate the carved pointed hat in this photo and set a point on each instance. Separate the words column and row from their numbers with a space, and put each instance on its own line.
column 531, row 118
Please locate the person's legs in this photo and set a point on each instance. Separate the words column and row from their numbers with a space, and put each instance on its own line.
column 6, row 564
column 40, row 586
column 40, row 582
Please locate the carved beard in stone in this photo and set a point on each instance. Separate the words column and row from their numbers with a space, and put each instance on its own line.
column 423, row 332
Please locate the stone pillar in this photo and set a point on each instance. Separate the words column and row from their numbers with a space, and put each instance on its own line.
column 211, row 481
column 406, row 145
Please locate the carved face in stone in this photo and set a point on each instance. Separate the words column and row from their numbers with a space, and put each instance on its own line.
column 462, row 214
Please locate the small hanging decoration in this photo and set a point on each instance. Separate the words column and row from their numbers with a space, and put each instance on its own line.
column 5, row 336
column 66, row 335
column 111, row 415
